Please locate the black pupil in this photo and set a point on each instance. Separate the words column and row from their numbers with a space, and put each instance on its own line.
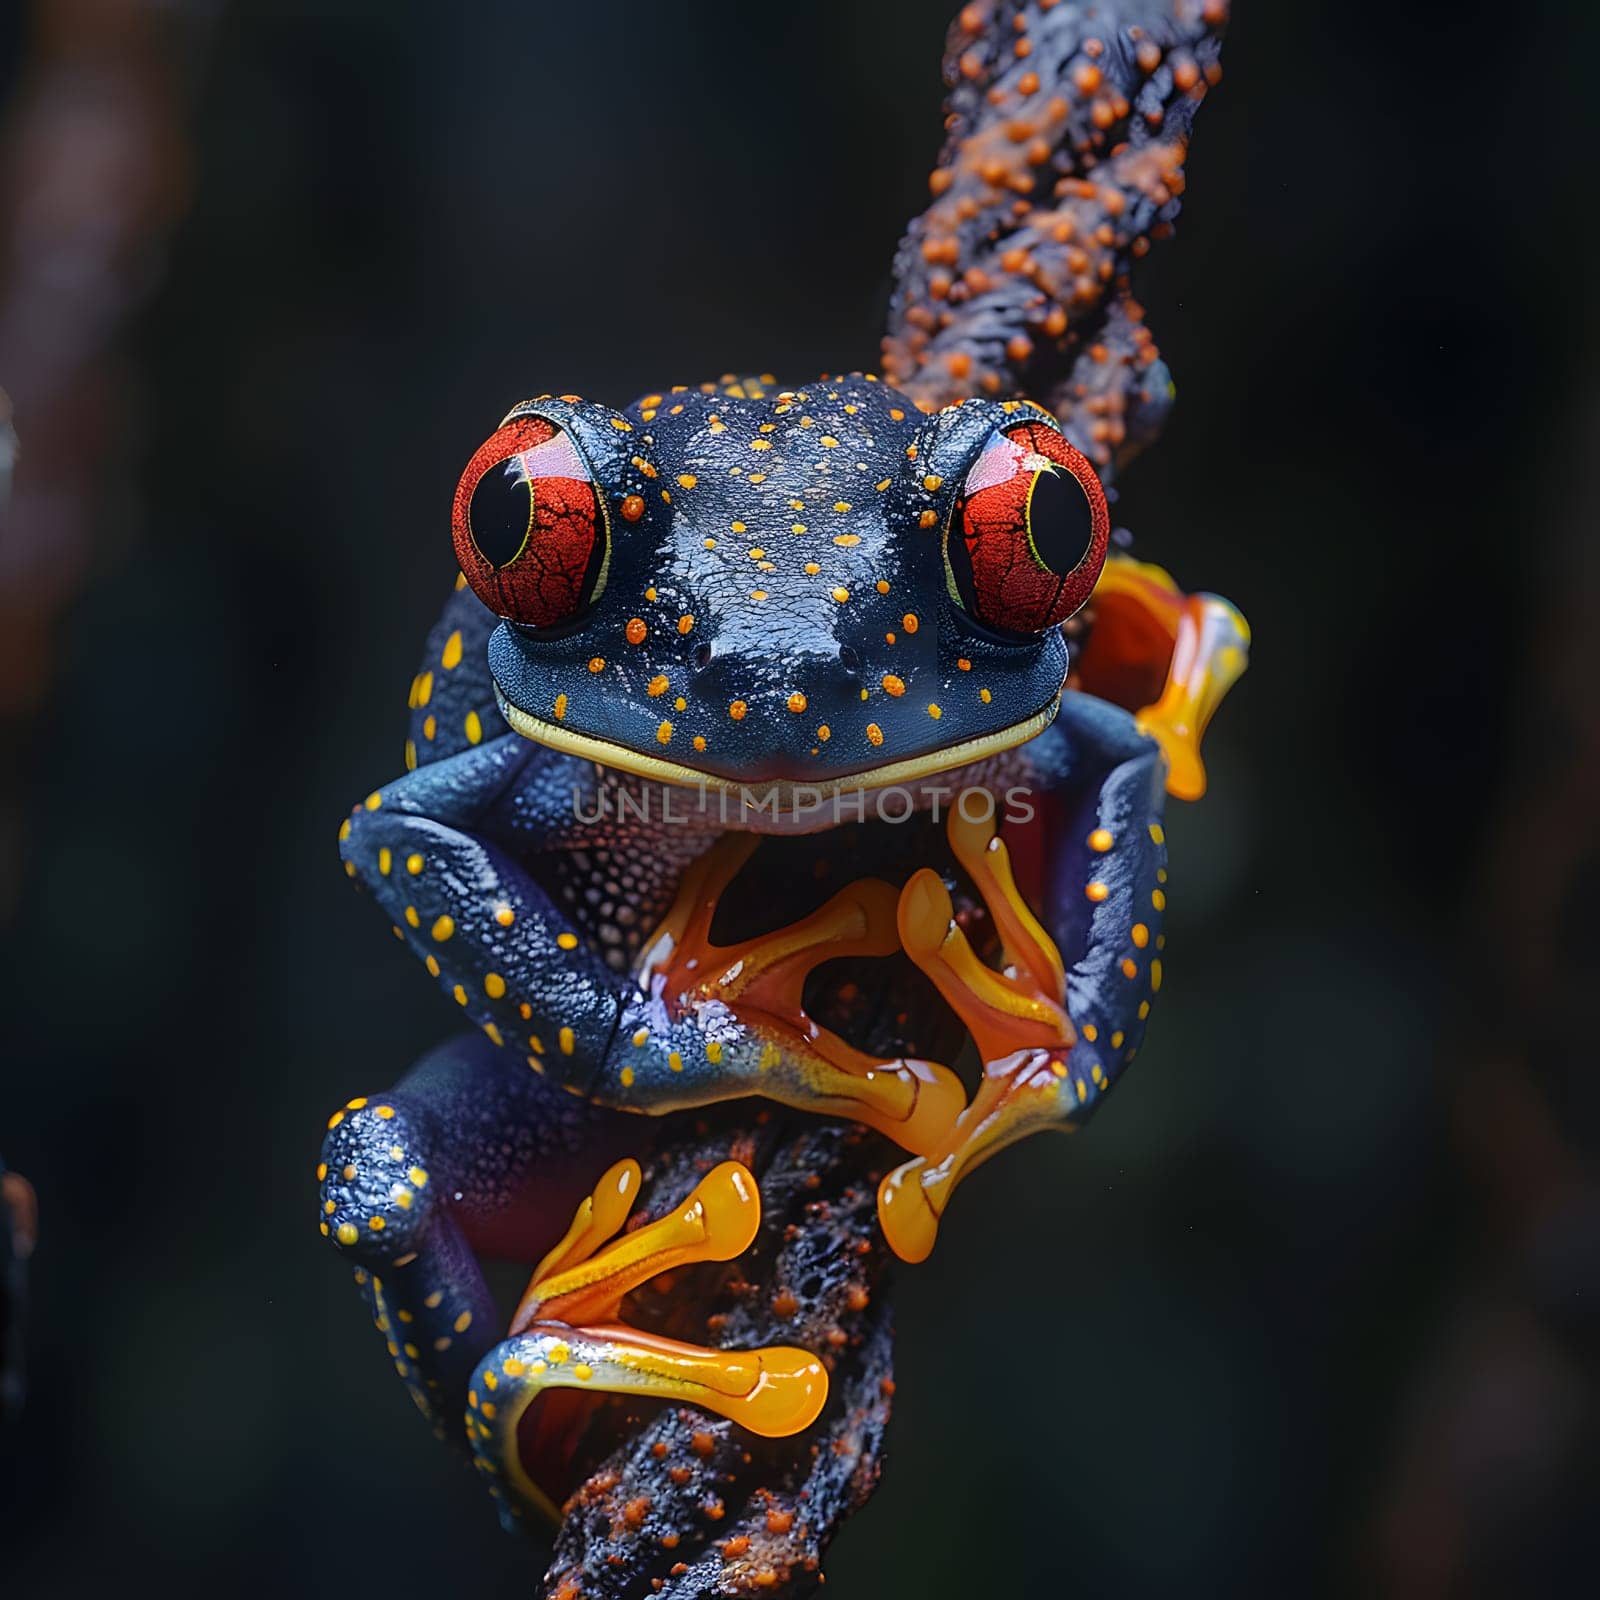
column 501, row 513
column 1061, row 522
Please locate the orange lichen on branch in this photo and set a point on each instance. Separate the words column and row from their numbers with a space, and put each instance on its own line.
column 1063, row 162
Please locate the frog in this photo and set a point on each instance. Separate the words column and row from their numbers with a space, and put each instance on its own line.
column 802, row 742
column 705, row 622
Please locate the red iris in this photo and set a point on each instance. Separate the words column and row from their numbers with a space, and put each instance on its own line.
column 1030, row 531
column 529, row 531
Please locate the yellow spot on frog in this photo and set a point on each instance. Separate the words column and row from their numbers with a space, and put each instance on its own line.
column 473, row 728
column 450, row 656
column 347, row 1234
column 442, row 928
column 414, row 863
column 626, row 1076
column 714, row 1052
column 567, row 941
column 424, row 688
column 664, row 733
column 657, row 686
column 494, row 986
column 566, row 1040
column 385, row 861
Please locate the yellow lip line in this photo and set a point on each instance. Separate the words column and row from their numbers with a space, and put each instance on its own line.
column 663, row 771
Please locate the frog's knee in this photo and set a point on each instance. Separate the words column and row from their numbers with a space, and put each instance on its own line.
column 375, row 1188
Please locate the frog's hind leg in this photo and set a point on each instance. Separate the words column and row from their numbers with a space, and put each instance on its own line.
column 1057, row 1026
column 567, row 1334
column 720, row 1021
column 470, row 1153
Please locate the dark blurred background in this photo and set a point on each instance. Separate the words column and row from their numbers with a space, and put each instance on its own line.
column 1313, row 1307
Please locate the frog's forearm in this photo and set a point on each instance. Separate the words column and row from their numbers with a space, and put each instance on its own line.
column 1068, row 130
column 456, row 891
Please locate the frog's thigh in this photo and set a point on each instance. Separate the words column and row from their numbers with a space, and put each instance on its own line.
column 471, row 1150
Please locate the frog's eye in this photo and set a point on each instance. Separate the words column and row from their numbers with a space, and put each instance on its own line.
column 1029, row 534
column 530, row 531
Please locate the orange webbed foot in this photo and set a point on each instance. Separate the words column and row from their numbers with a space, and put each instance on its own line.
column 565, row 1333
column 1017, row 1018
column 760, row 982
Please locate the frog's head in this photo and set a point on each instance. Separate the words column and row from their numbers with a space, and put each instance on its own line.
column 823, row 587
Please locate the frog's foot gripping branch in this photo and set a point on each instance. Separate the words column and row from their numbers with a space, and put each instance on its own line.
column 564, row 1335
column 1053, row 1037
column 1142, row 618
column 757, row 987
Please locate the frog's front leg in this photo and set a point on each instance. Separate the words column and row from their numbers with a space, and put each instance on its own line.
column 470, row 1153
column 442, row 850
column 1057, row 1026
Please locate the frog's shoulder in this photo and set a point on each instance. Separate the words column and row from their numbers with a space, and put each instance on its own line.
column 452, row 703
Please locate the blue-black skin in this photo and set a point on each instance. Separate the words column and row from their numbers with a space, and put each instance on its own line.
column 483, row 803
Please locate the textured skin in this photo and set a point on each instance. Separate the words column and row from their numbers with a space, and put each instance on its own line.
column 527, row 880
column 1067, row 129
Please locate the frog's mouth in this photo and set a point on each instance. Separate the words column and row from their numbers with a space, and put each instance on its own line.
column 778, row 793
